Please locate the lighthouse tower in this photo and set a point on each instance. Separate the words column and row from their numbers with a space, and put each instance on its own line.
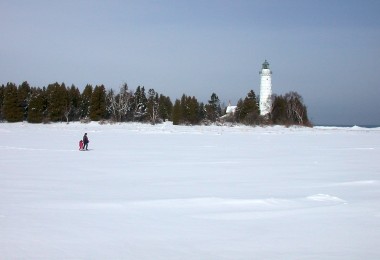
column 265, row 89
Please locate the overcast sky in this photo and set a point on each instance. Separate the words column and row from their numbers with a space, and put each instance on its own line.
column 328, row 51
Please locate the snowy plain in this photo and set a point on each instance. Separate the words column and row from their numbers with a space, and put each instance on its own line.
column 180, row 192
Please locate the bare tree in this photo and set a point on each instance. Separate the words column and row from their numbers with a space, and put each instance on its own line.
column 112, row 106
column 125, row 101
column 119, row 105
column 153, row 105
column 67, row 111
column 295, row 109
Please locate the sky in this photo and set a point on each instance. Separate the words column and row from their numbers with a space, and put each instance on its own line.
column 328, row 50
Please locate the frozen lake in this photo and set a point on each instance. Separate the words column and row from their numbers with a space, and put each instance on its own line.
column 180, row 192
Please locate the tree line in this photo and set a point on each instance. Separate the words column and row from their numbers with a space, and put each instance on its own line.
column 60, row 103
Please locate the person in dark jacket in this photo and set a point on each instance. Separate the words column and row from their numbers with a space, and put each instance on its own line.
column 85, row 142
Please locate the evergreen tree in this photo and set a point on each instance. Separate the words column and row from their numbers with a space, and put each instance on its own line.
column 192, row 110
column 238, row 110
column 278, row 111
column 249, row 110
column 37, row 105
column 184, row 110
column 137, row 95
column 165, row 107
column 140, row 104
column 12, row 110
column 177, row 112
column 57, row 98
column 73, row 110
column 135, row 103
column 213, row 108
column 85, row 102
column 187, row 111
column 201, row 112
column 2, row 87
column 23, row 98
column 98, row 103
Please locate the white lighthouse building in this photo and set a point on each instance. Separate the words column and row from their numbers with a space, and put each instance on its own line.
column 265, row 89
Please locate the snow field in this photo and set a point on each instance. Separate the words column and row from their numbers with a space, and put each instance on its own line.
column 179, row 192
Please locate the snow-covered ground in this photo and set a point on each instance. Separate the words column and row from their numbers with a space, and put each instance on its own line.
column 179, row 192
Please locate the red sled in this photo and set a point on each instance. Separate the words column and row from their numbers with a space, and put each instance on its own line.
column 80, row 145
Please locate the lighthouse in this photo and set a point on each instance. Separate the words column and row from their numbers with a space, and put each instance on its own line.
column 265, row 89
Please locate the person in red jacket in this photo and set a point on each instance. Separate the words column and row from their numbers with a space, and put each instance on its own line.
column 81, row 145
column 85, row 142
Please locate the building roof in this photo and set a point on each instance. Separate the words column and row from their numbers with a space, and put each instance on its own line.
column 230, row 109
